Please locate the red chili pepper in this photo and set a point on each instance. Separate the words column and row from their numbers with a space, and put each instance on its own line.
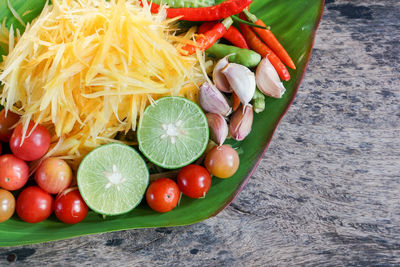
column 269, row 38
column 233, row 35
column 217, row 12
column 205, row 27
column 209, row 37
column 257, row 45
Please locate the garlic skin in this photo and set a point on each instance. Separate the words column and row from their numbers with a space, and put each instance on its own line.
column 242, row 81
column 268, row 81
column 241, row 122
column 219, row 78
column 213, row 101
column 218, row 128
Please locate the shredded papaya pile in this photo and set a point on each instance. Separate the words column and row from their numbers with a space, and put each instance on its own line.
column 86, row 70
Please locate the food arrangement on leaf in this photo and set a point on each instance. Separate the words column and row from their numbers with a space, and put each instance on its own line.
column 116, row 106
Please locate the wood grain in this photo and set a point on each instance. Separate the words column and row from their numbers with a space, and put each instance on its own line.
column 327, row 191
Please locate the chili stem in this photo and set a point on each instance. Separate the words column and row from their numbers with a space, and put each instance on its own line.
column 237, row 19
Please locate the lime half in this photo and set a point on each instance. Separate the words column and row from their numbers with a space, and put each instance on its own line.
column 173, row 132
column 112, row 179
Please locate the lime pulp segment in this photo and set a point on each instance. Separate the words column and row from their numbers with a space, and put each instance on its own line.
column 112, row 179
column 173, row 132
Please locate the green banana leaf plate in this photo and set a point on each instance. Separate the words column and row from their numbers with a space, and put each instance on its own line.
column 294, row 22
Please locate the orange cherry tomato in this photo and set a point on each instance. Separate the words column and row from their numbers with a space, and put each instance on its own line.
column 222, row 161
column 53, row 175
column 7, row 205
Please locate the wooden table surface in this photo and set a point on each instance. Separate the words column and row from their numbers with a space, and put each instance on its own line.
column 327, row 191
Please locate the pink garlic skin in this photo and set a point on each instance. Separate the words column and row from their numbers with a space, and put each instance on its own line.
column 218, row 128
column 242, row 81
column 268, row 81
column 241, row 122
column 213, row 101
column 219, row 78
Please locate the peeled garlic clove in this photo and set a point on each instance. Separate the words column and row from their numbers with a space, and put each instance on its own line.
column 213, row 101
column 219, row 78
column 241, row 122
column 241, row 80
column 268, row 81
column 218, row 128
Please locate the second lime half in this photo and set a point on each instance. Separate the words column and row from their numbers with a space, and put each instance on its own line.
column 173, row 132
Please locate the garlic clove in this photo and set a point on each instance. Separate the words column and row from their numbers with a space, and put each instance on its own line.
column 241, row 80
column 218, row 128
column 219, row 78
column 268, row 81
column 213, row 101
column 241, row 122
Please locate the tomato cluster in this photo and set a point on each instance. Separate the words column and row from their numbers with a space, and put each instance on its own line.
column 53, row 176
column 164, row 194
column 194, row 181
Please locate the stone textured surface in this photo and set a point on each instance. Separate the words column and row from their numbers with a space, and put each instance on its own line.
column 327, row 191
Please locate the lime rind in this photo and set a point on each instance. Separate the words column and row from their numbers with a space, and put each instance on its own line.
column 99, row 193
column 186, row 148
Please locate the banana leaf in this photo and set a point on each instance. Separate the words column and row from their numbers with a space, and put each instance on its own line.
column 294, row 22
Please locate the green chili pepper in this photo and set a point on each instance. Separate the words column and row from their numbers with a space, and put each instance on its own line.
column 241, row 56
column 258, row 101
column 185, row 3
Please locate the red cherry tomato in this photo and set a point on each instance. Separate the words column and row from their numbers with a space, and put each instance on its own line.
column 14, row 172
column 70, row 207
column 6, row 122
column 34, row 205
column 194, row 181
column 163, row 195
column 35, row 144
column 53, row 175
